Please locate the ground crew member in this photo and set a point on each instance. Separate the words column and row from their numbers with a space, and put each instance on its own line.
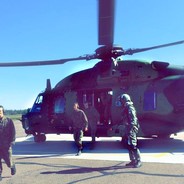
column 93, row 118
column 106, row 100
column 129, row 119
column 79, row 124
column 7, row 139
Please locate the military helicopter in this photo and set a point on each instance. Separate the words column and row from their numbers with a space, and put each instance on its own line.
column 152, row 87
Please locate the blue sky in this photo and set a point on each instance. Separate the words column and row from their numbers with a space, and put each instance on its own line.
column 34, row 30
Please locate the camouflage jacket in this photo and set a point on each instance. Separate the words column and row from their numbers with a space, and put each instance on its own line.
column 79, row 119
column 129, row 117
column 7, row 132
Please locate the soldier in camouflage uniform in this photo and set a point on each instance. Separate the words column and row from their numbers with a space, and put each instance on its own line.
column 7, row 139
column 93, row 118
column 130, row 121
column 79, row 124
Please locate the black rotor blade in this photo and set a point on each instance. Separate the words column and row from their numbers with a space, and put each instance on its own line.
column 106, row 22
column 133, row 51
column 48, row 62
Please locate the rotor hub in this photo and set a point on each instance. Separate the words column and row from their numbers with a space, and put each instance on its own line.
column 106, row 52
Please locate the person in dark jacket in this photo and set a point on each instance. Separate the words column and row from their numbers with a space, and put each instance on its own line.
column 7, row 139
column 129, row 119
column 79, row 124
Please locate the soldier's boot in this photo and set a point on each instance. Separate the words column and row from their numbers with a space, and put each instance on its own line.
column 134, row 155
column 130, row 164
column 137, row 164
column 132, row 158
column 13, row 170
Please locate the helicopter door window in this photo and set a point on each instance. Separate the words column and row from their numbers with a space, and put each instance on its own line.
column 149, row 101
column 37, row 105
column 59, row 105
column 89, row 98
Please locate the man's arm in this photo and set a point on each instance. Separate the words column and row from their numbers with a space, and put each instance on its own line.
column 12, row 132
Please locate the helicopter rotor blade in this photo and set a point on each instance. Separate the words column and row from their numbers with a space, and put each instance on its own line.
column 133, row 51
column 48, row 62
column 106, row 22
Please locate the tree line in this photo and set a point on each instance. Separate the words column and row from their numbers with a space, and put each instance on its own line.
column 15, row 112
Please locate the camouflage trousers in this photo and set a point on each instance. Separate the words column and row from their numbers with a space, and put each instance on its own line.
column 6, row 155
column 78, row 135
column 131, row 142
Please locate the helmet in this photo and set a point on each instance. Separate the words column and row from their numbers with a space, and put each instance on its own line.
column 125, row 98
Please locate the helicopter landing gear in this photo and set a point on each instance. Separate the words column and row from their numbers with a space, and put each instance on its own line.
column 39, row 137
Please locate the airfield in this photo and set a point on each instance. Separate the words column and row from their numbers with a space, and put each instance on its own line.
column 54, row 161
column 62, row 146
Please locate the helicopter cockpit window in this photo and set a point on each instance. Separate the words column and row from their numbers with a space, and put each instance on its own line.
column 59, row 105
column 37, row 105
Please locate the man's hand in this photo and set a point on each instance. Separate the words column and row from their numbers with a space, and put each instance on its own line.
column 86, row 129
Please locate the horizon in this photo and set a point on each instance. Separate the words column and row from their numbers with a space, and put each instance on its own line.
column 44, row 30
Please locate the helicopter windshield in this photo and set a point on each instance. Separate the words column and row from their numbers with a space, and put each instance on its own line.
column 37, row 105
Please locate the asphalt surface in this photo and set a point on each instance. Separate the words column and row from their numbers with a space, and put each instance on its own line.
column 54, row 162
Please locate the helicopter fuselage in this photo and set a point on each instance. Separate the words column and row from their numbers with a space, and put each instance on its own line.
column 156, row 90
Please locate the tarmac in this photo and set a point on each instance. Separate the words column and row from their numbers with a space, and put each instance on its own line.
column 54, row 161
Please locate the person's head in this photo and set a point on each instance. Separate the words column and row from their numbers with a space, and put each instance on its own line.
column 75, row 105
column 1, row 111
column 125, row 98
column 86, row 105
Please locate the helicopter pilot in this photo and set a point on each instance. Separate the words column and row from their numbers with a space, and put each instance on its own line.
column 129, row 119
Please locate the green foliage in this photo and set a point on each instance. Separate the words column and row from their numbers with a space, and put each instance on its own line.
column 15, row 117
column 15, row 114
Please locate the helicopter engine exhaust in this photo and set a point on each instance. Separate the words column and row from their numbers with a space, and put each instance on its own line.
column 48, row 85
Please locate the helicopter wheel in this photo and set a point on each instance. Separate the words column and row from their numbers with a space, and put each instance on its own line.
column 40, row 138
